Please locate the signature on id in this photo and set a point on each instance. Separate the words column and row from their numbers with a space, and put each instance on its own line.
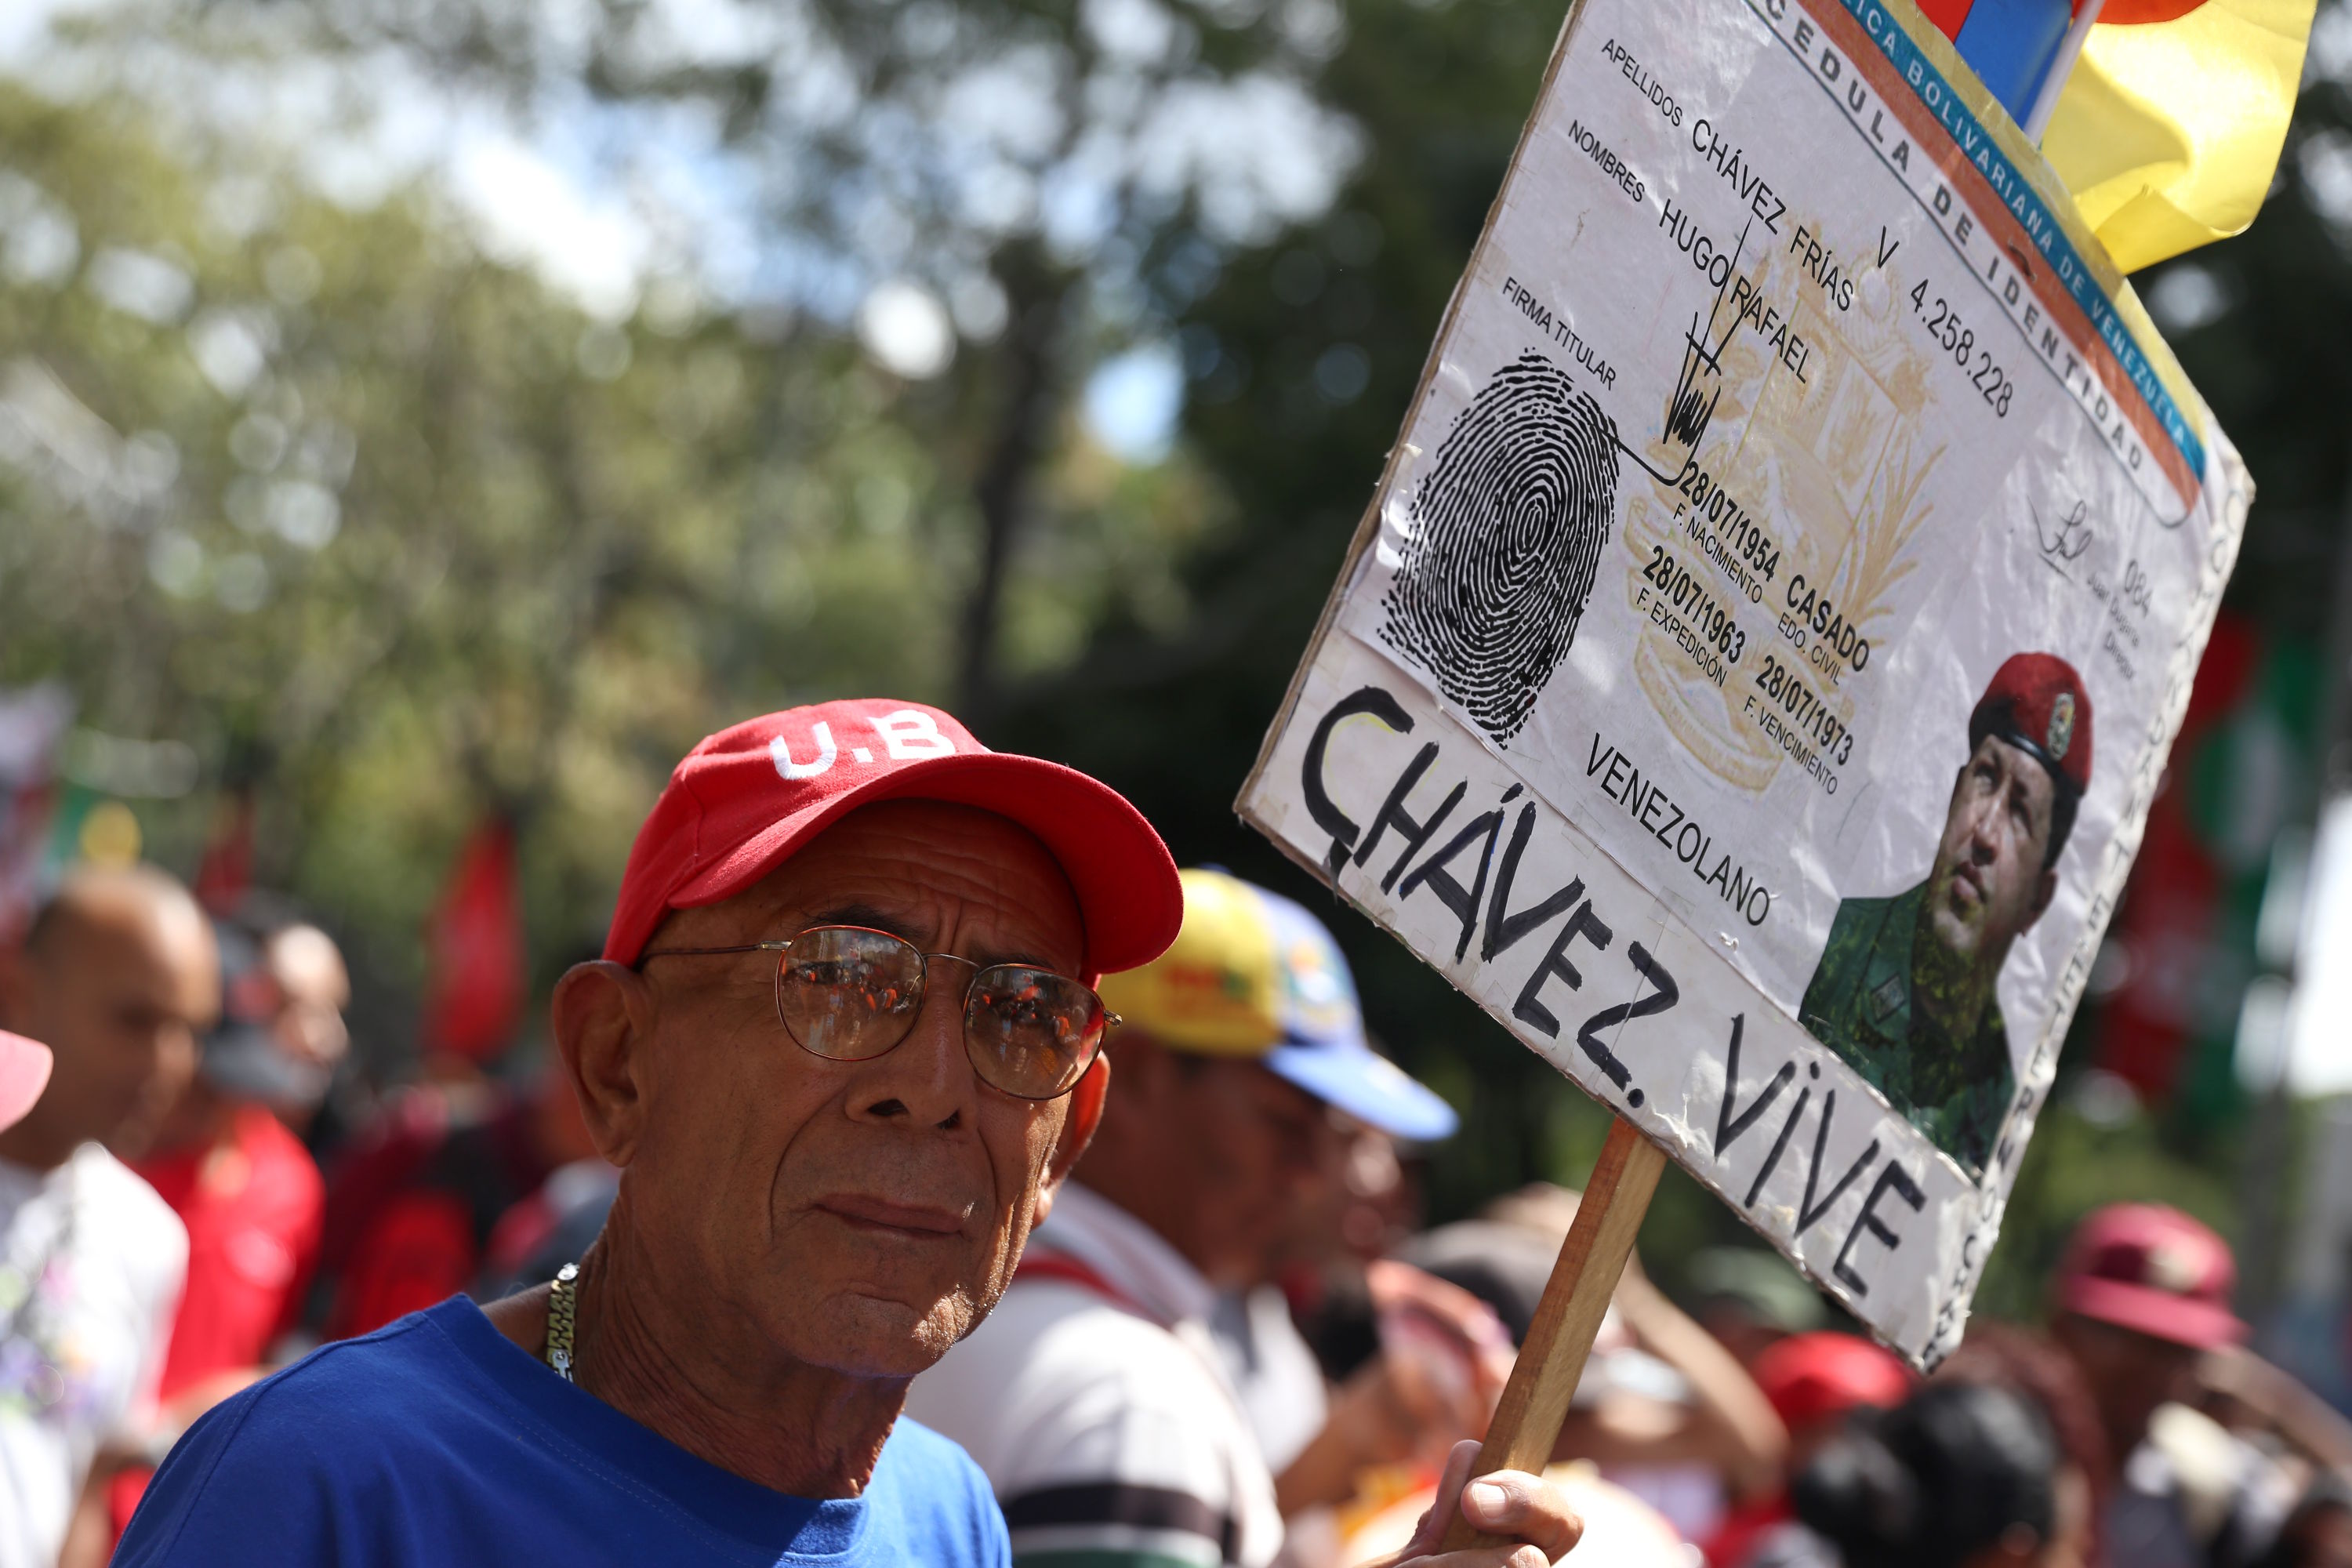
column 2064, row 540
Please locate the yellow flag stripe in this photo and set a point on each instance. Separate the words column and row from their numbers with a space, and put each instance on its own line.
column 2168, row 132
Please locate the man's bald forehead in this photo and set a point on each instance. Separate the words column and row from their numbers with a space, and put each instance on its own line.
column 123, row 897
column 303, row 953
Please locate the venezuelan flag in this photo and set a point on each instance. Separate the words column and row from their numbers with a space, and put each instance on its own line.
column 2169, row 126
column 2011, row 44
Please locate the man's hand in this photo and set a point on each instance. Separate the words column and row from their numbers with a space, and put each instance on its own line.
column 1530, row 1513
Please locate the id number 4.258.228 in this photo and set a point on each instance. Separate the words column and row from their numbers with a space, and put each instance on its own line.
column 1949, row 332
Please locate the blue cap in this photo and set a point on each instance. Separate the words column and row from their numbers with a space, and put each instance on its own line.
column 1323, row 1050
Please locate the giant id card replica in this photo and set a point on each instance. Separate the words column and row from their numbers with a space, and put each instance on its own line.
column 1751, row 679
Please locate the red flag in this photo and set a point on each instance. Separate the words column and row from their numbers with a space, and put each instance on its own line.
column 475, row 990
column 2174, row 902
column 225, row 874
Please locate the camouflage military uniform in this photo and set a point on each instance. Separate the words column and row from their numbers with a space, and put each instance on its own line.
column 1859, row 1006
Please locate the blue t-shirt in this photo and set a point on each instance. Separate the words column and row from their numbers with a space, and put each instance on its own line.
column 437, row 1442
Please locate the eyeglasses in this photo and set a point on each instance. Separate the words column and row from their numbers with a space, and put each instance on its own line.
column 849, row 993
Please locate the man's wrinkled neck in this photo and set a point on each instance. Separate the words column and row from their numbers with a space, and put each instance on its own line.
column 666, row 1355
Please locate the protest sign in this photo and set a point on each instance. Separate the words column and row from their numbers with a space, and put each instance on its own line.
column 1752, row 678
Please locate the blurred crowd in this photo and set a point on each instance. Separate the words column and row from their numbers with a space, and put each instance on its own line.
column 1231, row 1342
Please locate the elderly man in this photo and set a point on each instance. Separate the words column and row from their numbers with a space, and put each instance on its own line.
column 118, row 976
column 842, row 1044
column 1907, row 989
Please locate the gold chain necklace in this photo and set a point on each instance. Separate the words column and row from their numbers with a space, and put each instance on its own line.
column 563, row 1317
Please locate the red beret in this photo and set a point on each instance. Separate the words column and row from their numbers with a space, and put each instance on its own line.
column 2036, row 703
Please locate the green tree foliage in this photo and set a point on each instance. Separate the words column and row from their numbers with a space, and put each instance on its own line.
column 396, row 537
column 1068, row 173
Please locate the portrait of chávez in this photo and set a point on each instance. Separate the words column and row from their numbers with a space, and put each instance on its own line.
column 1907, row 989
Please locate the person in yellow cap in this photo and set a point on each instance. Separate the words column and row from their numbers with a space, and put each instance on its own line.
column 1096, row 1398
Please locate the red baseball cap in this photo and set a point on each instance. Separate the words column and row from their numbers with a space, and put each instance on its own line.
column 24, row 1073
column 2036, row 702
column 1810, row 1377
column 742, row 801
column 2155, row 1270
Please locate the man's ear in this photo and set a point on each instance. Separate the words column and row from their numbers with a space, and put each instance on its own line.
column 1085, row 1115
column 602, row 1018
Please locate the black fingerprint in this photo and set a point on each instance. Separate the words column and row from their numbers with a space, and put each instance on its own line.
column 1508, row 527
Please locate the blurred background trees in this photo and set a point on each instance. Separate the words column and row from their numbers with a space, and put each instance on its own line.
column 417, row 415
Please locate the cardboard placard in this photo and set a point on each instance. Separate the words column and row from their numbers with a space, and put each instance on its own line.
column 1669, row 703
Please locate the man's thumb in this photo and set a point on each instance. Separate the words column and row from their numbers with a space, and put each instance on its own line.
column 1431, row 1530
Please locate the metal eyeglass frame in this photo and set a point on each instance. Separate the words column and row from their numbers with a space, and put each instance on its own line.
column 923, row 981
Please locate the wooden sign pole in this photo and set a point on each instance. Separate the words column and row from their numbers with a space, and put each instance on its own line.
column 1535, row 1402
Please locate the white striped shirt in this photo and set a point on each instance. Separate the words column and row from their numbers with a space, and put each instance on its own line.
column 1096, row 1399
